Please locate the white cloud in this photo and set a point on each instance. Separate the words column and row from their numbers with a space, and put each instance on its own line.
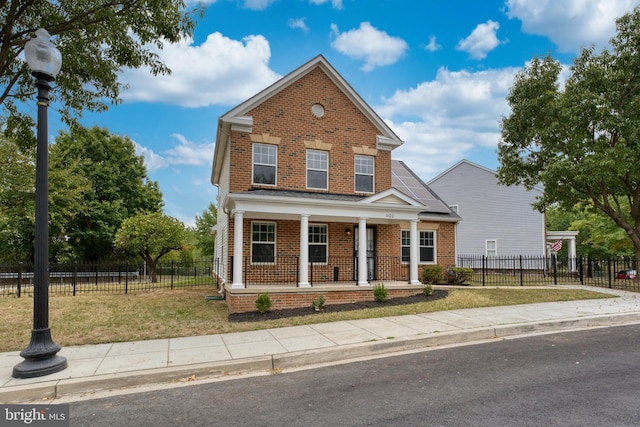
column 376, row 47
column 336, row 4
column 257, row 4
column 432, row 46
column 482, row 40
column 298, row 23
column 570, row 24
column 444, row 120
column 184, row 153
column 219, row 71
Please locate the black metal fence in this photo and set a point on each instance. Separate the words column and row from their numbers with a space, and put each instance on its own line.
column 72, row 279
column 285, row 270
column 523, row 270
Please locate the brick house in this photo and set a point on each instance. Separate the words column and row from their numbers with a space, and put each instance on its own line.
column 311, row 203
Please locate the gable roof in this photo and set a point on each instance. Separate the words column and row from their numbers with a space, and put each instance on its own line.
column 236, row 119
column 404, row 180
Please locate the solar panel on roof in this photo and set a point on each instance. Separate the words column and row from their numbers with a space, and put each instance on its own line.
column 404, row 180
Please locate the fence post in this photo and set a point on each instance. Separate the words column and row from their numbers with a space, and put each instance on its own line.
column 297, row 270
column 484, row 260
column 74, row 278
column 172, row 272
column 609, row 271
column 311, row 273
column 581, row 270
column 554, row 262
column 126, row 278
column 521, row 273
column 19, row 280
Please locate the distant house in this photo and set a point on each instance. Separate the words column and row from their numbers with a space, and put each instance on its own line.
column 497, row 220
column 310, row 202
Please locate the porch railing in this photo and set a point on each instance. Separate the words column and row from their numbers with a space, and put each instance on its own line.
column 285, row 270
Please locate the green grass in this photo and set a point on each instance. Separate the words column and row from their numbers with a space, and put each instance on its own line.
column 103, row 318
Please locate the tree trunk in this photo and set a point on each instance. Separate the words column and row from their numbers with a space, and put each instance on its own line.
column 152, row 271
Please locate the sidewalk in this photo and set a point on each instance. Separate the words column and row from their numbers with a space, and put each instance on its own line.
column 120, row 365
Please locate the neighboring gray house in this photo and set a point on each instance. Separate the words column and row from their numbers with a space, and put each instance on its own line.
column 497, row 220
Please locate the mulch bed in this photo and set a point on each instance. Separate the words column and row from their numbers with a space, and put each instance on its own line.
column 255, row 316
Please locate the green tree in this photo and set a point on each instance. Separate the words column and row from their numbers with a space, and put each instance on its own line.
column 204, row 223
column 97, row 39
column 17, row 203
column 581, row 142
column 598, row 237
column 120, row 187
column 150, row 235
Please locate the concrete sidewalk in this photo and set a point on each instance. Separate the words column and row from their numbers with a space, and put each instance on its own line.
column 119, row 365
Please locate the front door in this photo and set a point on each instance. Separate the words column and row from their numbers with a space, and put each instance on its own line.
column 371, row 253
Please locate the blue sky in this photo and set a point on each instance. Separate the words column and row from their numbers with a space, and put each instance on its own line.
column 437, row 71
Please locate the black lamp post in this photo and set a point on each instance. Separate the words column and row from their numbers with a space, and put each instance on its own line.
column 45, row 61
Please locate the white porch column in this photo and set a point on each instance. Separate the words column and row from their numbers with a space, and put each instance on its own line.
column 304, row 251
column 362, row 252
column 413, row 253
column 572, row 254
column 238, row 217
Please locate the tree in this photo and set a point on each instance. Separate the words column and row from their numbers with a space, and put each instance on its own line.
column 120, row 187
column 151, row 235
column 204, row 223
column 598, row 237
column 17, row 203
column 97, row 39
column 582, row 143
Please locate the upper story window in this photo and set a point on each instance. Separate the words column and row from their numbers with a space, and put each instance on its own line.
column 492, row 248
column 317, row 164
column 364, row 174
column 318, row 243
column 265, row 160
column 426, row 246
column 263, row 242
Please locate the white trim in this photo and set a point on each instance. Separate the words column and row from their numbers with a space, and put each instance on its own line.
column 486, row 247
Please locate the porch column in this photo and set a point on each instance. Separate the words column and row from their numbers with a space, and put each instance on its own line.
column 413, row 253
column 238, row 217
column 572, row 254
column 362, row 252
column 304, row 251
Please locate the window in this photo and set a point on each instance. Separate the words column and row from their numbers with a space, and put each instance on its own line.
column 265, row 158
column 426, row 250
column 492, row 247
column 364, row 174
column 317, row 162
column 455, row 208
column 263, row 242
column 318, row 243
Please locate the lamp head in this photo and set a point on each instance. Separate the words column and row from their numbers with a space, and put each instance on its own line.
column 43, row 58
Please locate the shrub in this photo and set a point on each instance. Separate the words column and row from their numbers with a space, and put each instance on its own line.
column 431, row 274
column 380, row 293
column 263, row 303
column 458, row 275
column 318, row 303
column 427, row 289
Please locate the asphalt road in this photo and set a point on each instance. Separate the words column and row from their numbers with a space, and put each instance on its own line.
column 585, row 378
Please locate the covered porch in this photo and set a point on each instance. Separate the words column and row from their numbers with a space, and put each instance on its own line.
column 304, row 239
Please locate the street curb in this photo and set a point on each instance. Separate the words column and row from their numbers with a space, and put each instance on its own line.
column 57, row 389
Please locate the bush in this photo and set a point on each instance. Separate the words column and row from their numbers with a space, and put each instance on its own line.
column 458, row 275
column 427, row 289
column 431, row 274
column 318, row 303
column 380, row 293
column 263, row 303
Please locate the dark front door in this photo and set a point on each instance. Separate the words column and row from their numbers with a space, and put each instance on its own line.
column 371, row 253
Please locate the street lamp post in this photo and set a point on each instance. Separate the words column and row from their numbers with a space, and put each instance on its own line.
column 40, row 356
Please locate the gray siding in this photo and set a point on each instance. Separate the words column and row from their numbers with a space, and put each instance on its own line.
column 491, row 211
